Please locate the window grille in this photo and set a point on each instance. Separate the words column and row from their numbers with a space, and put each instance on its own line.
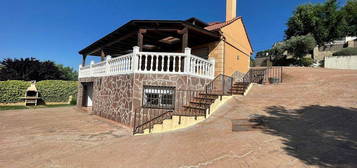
column 159, row 97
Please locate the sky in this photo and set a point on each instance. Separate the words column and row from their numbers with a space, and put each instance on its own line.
column 57, row 29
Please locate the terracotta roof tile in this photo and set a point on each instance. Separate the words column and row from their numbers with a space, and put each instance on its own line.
column 218, row 25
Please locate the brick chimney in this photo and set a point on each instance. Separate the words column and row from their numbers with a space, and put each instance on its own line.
column 231, row 9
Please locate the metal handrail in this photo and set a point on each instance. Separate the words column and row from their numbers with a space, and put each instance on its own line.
column 151, row 120
column 211, row 84
column 146, row 122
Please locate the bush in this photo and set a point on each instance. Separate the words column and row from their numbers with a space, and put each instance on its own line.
column 346, row 52
column 50, row 90
column 74, row 100
column 305, row 62
column 12, row 90
column 56, row 90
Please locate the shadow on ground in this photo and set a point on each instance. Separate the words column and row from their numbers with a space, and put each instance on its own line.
column 325, row 136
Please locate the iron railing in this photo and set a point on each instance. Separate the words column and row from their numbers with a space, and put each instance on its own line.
column 146, row 118
column 218, row 87
column 221, row 85
column 264, row 75
column 273, row 75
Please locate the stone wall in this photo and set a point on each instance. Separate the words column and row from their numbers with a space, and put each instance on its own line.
column 112, row 98
column 262, row 61
column 352, row 44
column 181, row 82
column 116, row 97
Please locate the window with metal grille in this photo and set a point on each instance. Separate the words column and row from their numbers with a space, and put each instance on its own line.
column 159, row 97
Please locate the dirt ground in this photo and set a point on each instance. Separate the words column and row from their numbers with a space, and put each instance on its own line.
column 310, row 121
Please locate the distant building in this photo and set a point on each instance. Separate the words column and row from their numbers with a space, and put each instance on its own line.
column 318, row 54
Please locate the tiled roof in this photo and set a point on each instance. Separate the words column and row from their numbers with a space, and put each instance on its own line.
column 218, row 25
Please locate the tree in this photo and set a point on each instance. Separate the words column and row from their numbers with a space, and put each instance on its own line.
column 30, row 69
column 299, row 46
column 349, row 16
column 303, row 21
column 68, row 72
column 252, row 62
column 325, row 22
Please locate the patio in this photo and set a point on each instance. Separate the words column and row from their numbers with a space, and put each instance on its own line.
column 310, row 122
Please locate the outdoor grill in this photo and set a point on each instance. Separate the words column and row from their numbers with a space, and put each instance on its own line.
column 31, row 95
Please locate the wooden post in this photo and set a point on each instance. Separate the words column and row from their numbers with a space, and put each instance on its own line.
column 141, row 38
column 184, row 39
column 84, row 60
column 102, row 55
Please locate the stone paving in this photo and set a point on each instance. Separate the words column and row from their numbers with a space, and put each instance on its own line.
column 310, row 121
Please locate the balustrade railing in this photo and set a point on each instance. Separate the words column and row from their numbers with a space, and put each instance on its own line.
column 264, row 75
column 151, row 62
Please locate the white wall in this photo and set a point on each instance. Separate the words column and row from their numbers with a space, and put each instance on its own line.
column 341, row 62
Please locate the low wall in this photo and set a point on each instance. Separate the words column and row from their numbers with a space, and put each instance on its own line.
column 341, row 62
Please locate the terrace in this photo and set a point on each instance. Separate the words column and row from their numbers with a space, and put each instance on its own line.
column 153, row 47
column 151, row 62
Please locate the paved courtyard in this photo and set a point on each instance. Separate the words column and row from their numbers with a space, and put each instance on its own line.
column 310, row 121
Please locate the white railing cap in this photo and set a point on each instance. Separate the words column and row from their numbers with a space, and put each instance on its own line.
column 108, row 57
column 212, row 59
column 187, row 50
column 136, row 49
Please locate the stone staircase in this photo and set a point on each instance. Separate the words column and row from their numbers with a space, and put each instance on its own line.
column 192, row 106
column 239, row 88
column 179, row 120
column 200, row 104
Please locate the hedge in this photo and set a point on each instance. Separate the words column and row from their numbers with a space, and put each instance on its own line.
column 49, row 90
column 346, row 52
column 12, row 90
column 56, row 90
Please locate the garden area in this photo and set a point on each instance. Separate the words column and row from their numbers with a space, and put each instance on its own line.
column 56, row 84
column 52, row 93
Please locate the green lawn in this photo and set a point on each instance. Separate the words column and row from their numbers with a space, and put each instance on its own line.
column 12, row 107
column 16, row 107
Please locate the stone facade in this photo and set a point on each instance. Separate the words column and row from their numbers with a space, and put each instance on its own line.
column 181, row 82
column 112, row 98
column 117, row 97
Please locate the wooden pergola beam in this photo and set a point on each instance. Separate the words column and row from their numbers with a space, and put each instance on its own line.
column 184, row 39
column 102, row 55
column 84, row 60
column 140, row 40
column 113, row 42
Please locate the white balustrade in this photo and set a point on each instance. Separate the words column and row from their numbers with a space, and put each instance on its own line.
column 84, row 71
column 120, row 65
column 151, row 62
